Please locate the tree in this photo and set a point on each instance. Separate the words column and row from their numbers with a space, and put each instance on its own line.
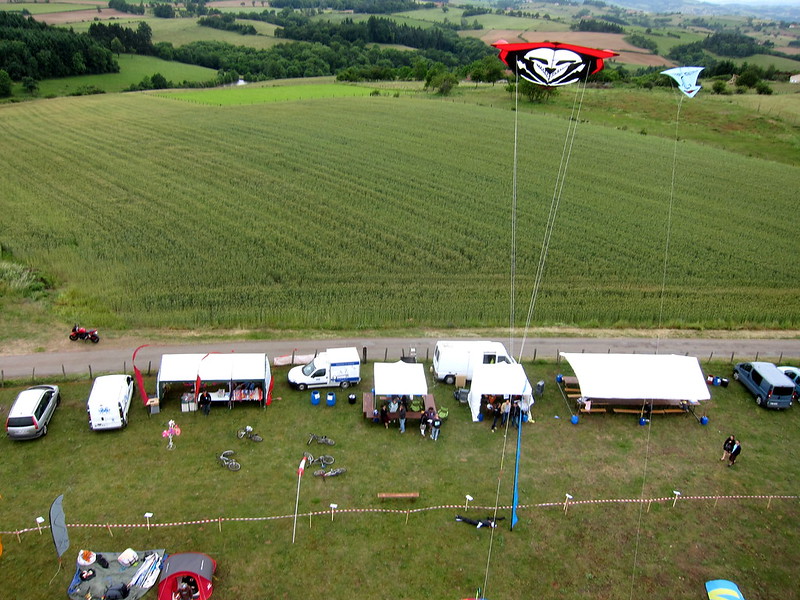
column 719, row 87
column 534, row 93
column 30, row 85
column 117, row 47
column 5, row 84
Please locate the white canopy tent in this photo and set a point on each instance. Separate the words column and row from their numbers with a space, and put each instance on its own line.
column 231, row 368
column 401, row 379
column 663, row 377
column 501, row 379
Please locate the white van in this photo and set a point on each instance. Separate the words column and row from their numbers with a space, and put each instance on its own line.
column 335, row 367
column 109, row 402
column 453, row 359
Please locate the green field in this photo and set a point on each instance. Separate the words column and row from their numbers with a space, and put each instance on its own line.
column 386, row 212
column 232, row 96
column 44, row 8
column 180, row 32
column 133, row 68
column 728, row 523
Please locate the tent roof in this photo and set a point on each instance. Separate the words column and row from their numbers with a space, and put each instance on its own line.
column 501, row 379
column 639, row 376
column 188, row 562
column 213, row 367
column 401, row 378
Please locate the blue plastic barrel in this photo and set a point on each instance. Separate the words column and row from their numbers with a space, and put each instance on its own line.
column 703, row 420
column 330, row 399
column 574, row 419
column 480, row 417
column 717, row 381
column 559, row 378
column 315, row 397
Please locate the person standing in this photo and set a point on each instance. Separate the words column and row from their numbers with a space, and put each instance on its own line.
column 423, row 422
column 205, row 402
column 494, row 407
column 436, row 424
column 385, row 415
column 727, row 447
column 735, row 451
column 401, row 416
column 505, row 411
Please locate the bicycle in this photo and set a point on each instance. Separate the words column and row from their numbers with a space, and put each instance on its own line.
column 324, row 460
column 249, row 433
column 332, row 473
column 226, row 461
column 320, row 439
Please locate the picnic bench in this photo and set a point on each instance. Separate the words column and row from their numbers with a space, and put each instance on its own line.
column 369, row 406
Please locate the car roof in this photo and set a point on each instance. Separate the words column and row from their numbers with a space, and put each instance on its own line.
column 27, row 400
column 772, row 374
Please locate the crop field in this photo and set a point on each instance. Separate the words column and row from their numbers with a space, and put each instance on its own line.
column 610, row 542
column 232, row 96
column 384, row 212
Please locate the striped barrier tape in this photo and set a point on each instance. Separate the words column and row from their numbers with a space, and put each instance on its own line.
column 572, row 503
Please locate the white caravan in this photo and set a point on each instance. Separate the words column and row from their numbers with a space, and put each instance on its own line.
column 109, row 402
column 453, row 359
column 334, row 367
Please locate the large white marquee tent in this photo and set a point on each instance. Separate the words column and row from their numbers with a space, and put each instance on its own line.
column 400, row 379
column 501, row 379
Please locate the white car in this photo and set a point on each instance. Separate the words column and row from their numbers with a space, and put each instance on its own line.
column 792, row 373
column 32, row 411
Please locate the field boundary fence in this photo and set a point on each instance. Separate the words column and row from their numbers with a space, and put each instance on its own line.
column 564, row 506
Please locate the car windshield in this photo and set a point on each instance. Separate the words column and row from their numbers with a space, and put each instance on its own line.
column 309, row 369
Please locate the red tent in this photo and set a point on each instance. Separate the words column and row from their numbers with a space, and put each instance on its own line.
column 195, row 568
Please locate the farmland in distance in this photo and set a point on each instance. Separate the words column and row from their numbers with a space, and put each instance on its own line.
column 384, row 212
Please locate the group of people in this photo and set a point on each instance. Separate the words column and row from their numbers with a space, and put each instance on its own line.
column 398, row 405
column 501, row 409
column 731, row 449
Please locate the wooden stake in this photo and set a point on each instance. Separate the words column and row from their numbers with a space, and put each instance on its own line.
column 109, row 529
column 219, row 524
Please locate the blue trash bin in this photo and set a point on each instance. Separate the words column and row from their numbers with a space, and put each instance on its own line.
column 330, row 399
column 315, row 397
column 703, row 420
column 574, row 419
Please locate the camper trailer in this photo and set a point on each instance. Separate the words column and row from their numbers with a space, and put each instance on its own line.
column 454, row 359
column 335, row 367
column 109, row 402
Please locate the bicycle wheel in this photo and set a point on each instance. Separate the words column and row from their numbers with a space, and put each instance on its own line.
column 227, row 453
column 319, row 473
column 241, row 433
column 257, row 438
column 326, row 440
column 337, row 471
column 326, row 459
column 309, row 457
column 234, row 466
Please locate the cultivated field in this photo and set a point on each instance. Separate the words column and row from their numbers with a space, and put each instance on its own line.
column 737, row 524
column 385, row 212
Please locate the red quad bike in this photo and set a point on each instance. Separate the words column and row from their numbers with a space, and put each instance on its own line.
column 81, row 333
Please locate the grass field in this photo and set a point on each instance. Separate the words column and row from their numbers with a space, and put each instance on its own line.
column 301, row 215
column 725, row 525
column 133, row 69
column 266, row 93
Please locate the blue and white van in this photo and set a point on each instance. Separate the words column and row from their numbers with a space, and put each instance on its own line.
column 770, row 386
column 109, row 402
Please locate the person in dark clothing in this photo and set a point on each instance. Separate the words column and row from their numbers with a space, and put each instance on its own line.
column 487, row 522
column 727, row 447
column 735, row 451
column 205, row 402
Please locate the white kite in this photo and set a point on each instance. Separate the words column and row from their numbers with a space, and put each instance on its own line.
column 686, row 77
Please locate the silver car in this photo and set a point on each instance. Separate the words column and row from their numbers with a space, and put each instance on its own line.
column 32, row 411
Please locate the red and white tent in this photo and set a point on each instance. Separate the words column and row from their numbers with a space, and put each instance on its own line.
column 190, row 567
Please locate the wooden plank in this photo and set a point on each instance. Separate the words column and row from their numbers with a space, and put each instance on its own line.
column 368, row 404
column 384, row 495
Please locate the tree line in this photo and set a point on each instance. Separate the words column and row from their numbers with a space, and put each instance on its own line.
column 35, row 50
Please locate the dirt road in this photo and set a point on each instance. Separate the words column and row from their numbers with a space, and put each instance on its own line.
column 104, row 358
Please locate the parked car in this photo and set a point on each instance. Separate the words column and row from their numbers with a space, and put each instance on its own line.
column 31, row 412
column 770, row 386
column 792, row 373
column 109, row 402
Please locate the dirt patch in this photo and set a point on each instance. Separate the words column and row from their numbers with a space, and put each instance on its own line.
column 628, row 54
column 79, row 16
